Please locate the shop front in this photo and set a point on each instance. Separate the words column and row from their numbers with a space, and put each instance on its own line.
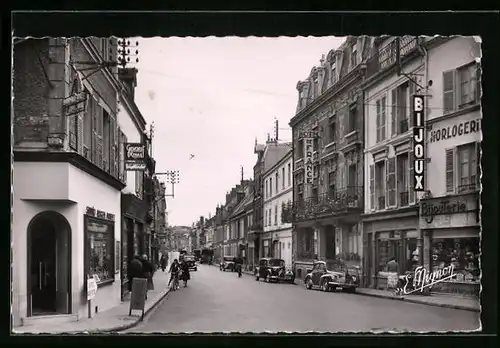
column 388, row 235
column 452, row 237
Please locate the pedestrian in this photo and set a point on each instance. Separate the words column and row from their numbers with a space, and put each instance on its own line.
column 393, row 270
column 185, row 276
column 148, row 271
column 174, row 271
column 134, row 270
column 163, row 263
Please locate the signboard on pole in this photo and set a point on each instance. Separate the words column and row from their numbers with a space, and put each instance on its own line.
column 138, row 297
column 135, row 156
column 308, row 161
column 91, row 288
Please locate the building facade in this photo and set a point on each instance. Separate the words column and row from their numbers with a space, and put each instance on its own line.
column 391, row 211
column 67, row 179
column 239, row 222
column 450, row 212
column 328, row 158
column 278, row 192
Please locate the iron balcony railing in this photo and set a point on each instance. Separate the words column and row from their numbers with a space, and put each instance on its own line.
column 385, row 57
column 332, row 202
column 468, row 188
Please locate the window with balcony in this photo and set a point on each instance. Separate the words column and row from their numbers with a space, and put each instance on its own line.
column 402, row 180
column 352, row 180
column 462, row 168
column 380, row 186
column 400, row 110
column 391, row 182
column 381, row 119
column 331, row 132
column 461, row 87
column 283, row 178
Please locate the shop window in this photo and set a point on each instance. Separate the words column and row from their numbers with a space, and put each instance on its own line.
column 99, row 255
column 463, row 253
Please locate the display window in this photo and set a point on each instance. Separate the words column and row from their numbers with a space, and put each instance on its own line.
column 462, row 253
column 100, row 244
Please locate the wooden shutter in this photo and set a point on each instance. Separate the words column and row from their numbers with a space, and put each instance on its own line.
column 346, row 112
column 450, row 170
column 391, row 181
column 121, row 154
column 378, row 120
column 372, row 186
column 448, row 91
column 394, row 103
column 79, row 132
column 383, row 120
column 95, row 144
column 411, row 165
column 113, row 143
column 412, row 92
column 478, row 165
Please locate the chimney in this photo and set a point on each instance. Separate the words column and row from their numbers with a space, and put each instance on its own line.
column 129, row 78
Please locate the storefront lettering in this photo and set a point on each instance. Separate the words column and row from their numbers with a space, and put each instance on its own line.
column 462, row 128
column 308, row 160
column 422, row 279
column 445, row 207
column 135, row 151
column 91, row 211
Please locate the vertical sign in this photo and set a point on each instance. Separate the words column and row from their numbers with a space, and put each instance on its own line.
column 308, row 159
column 135, row 156
column 418, row 143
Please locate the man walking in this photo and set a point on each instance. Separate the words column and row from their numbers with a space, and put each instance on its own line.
column 148, row 270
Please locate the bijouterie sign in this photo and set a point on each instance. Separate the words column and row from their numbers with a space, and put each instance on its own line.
column 135, row 156
column 445, row 207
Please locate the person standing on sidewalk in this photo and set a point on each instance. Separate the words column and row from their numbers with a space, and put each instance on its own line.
column 163, row 263
column 148, row 271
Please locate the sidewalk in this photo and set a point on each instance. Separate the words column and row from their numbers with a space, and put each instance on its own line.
column 112, row 320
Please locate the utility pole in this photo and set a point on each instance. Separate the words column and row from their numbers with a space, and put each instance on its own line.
column 276, row 129
column 124, row 53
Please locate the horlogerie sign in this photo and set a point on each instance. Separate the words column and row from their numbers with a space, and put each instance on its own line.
column 423, row 279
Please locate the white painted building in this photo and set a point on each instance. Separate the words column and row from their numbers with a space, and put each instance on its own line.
column 278, row 191
column 66, row 182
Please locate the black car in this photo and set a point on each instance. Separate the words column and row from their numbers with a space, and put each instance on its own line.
column 331, row 275
column 273, row 270
column 228, row 263
column 190, row 260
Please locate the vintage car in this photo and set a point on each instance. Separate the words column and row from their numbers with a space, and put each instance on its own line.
column 331, row 275
column 273, row 270
column 227, row 264
column 191, row 262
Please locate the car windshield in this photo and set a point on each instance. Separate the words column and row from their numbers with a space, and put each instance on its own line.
column 336, row 266
column 276, row 262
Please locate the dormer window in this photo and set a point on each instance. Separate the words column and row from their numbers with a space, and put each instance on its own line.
column 334, row 72
column 354, row 55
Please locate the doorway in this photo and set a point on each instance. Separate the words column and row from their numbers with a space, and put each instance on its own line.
column 49, row 265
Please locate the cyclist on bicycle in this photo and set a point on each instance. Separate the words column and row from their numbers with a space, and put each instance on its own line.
column 174, row 272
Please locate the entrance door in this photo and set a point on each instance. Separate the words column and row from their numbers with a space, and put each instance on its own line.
column 49, row 265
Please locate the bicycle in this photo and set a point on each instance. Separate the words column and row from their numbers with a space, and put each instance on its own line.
column 175, row 283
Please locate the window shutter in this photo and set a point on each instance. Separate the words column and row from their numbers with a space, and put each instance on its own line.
column 79, row 132
column 411, row 166
column 346, row 112
column 412, row 92
column 450, row 169
column 478, row 165
column 113, row 143
column 122, row 174
column 372, row 186
column 383, row 119
column 394, row 111
column 391, row 181
column 95, row 144
column 378, row 121
column 448, row 91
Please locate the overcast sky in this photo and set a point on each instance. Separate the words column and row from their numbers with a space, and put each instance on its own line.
column 211, row 97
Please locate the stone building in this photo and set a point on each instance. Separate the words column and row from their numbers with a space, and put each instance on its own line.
column 328, row 158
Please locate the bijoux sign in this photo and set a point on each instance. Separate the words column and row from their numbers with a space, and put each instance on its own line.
column 418, row 143
column 422, row 279
column 135, row 156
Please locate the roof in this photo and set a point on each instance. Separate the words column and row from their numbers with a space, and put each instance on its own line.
column 273, row 154
column 240, row 208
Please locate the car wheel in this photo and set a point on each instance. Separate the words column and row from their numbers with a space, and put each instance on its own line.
column 309, row 283
column 324, row 286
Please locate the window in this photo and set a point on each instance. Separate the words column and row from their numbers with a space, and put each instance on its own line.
column 316, row 143
column 139, row 191
column 402, row 179
column 300, row 149
column 270, row 187
column 380, row 184
column 460, row 87
column 100, row 242
column 372, row 186
column 265, row 217
column 331, row 132
column 73, row 120
column 270, row 216
column 352, row 180
column 289, row 174
column 283, row 178
column 400, row 112
column 467, row 167
column 354, row 56
column 107, row 131
column 380, row 122
column 353, row 114
column 391, row 182
column 314, row 195
column 275, row 215
column 331, row 185
column 276, row 182
column 334, row 73
column 87, row 127
column 267, row 190
column 463, row 253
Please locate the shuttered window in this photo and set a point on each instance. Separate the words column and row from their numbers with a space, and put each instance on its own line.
column 372, row 186
column 391, row 181
column 450, row 171
column 381, row 118
column 448, row 91
column 394, row 113
column 87, row 128
column 413, row 88
column 411, row 164
column 478, row 165
column 121, row 146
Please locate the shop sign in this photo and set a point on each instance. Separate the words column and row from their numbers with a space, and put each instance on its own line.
column 91, row 288
column 457, row 129
column 428, row 210
column 423, row 278
column 135, row 157
column 308, row 160
column 91, row 211
column 418, row 143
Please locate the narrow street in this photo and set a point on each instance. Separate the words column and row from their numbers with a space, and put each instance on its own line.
column 221, row 302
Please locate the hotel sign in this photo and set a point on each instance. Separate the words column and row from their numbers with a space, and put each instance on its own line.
column 135, row 156
column 308, row 161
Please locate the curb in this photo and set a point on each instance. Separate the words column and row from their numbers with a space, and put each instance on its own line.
column 443, row 305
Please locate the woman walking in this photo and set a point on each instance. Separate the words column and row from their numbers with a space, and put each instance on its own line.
column 185, row 276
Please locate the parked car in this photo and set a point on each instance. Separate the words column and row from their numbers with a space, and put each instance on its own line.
column 274, row 270
column 227, row 264
column 191, row 262
column 331, row 275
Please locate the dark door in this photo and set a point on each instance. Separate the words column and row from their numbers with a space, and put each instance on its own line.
column 43, row 268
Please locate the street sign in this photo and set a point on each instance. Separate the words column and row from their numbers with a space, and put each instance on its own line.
column 91, row 288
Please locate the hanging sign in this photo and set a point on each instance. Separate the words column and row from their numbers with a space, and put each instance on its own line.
column 308, row 160
column 135, row 157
